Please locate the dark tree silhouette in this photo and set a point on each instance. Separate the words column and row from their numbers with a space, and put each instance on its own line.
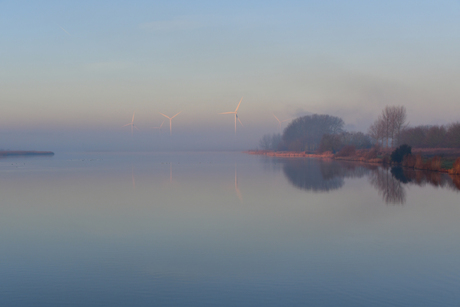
column 305, row 133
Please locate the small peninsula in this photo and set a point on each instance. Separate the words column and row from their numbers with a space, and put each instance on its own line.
column 7, row 153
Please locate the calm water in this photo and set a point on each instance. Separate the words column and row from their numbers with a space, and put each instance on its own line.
column 224, row 229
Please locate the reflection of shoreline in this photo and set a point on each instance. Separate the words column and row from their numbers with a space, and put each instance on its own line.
column 427, row 162
column 326, row 175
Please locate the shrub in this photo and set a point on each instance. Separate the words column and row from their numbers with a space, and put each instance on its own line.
column 330, row 142
column 399, row 153
column 372, row 153
column 346, row 151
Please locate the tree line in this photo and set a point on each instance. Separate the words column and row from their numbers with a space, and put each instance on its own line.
column 432, row 136
column 319, row 133
column 313, row 133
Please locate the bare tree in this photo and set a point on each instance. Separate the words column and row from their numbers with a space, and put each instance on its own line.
column 389, row 125
column 387, row 117
column 265, row 142
column 399, row 122
column 377, row 130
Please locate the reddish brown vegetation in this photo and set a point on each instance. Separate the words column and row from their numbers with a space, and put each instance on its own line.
column 347, row 151
column 456, row 168
column 380, row 155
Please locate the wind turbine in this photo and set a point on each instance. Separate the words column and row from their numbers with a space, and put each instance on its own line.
column 280, row 121
column 236, row 114
column 170, row 118
column 134, row 181
column 132, row 124
column 159, row 128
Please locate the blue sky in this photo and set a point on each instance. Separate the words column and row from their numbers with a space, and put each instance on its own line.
column 73, row 72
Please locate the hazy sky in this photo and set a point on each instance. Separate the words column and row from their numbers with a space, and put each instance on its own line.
column 73, row 72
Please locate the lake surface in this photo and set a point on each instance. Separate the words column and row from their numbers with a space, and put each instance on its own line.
column 225, row 229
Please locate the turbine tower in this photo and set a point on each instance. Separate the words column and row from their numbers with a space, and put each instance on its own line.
column 236, row 114
column 159, row 128
column 132, row 124
column 170, row 118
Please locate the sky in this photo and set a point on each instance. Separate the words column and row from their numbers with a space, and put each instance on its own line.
column 73, row 72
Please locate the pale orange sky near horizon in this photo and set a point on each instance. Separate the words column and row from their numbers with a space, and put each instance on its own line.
column 83, row 69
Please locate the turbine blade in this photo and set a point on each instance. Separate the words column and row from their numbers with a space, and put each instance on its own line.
column 127, row 125
column 165, row 115
column 276, row 118
column 64, row 30
column 136, row 128
column 240, row 121
column 238, row 193
column 162, row 124
column 238, row 105
column 176, row 115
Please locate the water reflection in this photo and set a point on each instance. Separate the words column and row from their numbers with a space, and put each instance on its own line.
column 327, row 175
column 389, row 187
column 237, row 190
column 308, row 174
column 422, row 178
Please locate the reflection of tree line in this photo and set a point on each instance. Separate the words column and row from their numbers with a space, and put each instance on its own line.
column 323, row 176
column 390, row 182
column 313, row 175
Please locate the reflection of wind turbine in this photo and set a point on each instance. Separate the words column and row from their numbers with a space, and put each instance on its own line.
column 237, row 190
column 170, row 118
column 236, row 114
column 280, row 121
column 132, row 124
column 134, row 181
column 159, row 128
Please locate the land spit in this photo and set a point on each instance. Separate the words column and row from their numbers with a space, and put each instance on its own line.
column 6, row 153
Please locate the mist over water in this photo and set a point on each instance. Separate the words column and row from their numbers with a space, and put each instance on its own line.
column 227, row 229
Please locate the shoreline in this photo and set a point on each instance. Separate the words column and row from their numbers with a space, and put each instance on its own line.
column 12, row 153
column 431, row 164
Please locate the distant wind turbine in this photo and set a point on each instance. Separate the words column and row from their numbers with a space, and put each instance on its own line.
column 236, row 114
column 280, row 121
column 170, row 118
column 159, row 128
column 132, row 124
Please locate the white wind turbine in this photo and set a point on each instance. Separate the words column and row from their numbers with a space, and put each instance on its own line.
column 236, row 114
column 132, row 124
column 170, row 118
column 159, row 128
column 280, row 121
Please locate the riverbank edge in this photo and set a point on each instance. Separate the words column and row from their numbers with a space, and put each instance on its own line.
column 360, row 159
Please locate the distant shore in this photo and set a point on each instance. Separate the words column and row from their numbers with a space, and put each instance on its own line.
column 7, row 153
